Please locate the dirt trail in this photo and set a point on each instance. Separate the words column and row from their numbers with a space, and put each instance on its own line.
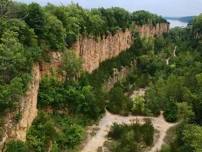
column 107, row 121
column 173, row 55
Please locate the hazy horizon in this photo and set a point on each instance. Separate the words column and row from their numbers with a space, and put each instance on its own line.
column 174, row 8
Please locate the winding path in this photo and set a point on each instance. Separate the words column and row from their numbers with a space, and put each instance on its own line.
column 107, row 121
column 173, row 55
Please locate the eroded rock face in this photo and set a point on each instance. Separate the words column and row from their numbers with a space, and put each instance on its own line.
column 91, row 51
column 95, row 52
column 27, row 110
column 151, row 30
column 28, row 106
column 52, row 67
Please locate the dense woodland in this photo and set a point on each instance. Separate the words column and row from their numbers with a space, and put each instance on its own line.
column 29, row 32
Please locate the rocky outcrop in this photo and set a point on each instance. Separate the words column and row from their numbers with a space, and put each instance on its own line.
column 151, row 30
column 118, row 75
column 93, row 52
column 52, row 66
column 28, row 107
column 27, row 110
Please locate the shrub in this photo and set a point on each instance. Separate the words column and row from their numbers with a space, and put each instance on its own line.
column 171, row 112
column 118, row 102
column 16, row 146
column 131, row 138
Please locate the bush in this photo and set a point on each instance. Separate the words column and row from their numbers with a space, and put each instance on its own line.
column 70, row 137
column 148, row 135
column 165, row 149
column 171, row 112
column 131, row 138
column 118, row 102
column 61, row 130
column 41, row 134
column 80, row 99
column 16, row 146
column 138, row 105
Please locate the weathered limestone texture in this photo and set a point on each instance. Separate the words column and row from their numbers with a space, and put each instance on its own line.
column 93, row 52
column 151, row 30
column 27, row 110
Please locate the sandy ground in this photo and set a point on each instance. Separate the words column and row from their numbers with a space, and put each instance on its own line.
column 109, row 119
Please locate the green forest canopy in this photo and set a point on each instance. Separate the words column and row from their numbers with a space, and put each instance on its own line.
column 28, row 31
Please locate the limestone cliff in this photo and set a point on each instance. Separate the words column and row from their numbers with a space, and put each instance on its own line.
column 51, row 67
column 151, row 30
column 28, row 107
column 27, row 110
column 93, row 52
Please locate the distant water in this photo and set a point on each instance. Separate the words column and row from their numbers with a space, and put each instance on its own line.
column 175, row 23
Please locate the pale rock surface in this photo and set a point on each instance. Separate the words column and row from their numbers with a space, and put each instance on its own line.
column 94, row 52
column 151, row 31
column 27, row 110
column 28, row 106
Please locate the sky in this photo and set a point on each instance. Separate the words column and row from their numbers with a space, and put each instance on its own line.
column 171, row 8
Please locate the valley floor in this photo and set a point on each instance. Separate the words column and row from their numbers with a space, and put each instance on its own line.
column 109, row 119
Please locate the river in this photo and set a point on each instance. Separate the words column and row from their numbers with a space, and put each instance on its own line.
column 175, row 23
